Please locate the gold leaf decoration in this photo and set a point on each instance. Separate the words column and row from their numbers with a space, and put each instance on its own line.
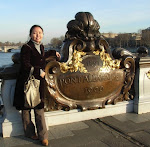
column 108, row 63
column 148, row 74
column 74, row 64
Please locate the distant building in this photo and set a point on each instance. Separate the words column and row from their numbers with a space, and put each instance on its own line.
column 123, row 39
column 146, row 37
column 109, row 35
column 136, row 36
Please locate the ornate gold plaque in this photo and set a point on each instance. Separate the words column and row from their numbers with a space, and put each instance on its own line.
column 88, row 76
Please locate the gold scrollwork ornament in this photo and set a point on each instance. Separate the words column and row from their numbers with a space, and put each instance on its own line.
column 108, row 63
column 148, row 74
column 74, row 64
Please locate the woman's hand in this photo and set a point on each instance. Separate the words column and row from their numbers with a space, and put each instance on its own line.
column 58, row 55
column 42, row 74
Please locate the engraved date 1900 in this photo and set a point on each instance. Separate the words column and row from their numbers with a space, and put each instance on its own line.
column 89, row 90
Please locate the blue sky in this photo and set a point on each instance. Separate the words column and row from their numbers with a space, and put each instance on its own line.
column 117, row 16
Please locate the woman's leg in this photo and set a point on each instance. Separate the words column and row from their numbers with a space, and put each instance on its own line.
column 29, row 128
column 40, row 124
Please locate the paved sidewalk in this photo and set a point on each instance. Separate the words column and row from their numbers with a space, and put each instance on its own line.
column 124, row 130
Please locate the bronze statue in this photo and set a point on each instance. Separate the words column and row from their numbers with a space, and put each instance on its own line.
column 88, row 76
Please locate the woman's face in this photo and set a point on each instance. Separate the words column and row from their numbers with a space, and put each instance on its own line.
column 37, row 34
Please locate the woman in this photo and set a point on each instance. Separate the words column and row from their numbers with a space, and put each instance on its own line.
column 33, row 55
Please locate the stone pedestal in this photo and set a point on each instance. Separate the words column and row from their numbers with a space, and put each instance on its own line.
column 63, row 117
column 11, row 123
column 142, row 87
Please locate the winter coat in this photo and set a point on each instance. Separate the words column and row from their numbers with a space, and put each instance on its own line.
column 29, row 57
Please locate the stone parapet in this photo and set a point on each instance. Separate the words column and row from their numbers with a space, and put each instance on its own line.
column 142, row 85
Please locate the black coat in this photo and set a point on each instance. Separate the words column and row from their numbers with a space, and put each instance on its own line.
column 30, row 57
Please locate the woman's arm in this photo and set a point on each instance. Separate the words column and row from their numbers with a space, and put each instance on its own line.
column 50, row 53
column 25, row 58
column 53, row 54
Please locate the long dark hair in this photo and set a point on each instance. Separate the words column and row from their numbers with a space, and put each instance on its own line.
column 31, row 29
